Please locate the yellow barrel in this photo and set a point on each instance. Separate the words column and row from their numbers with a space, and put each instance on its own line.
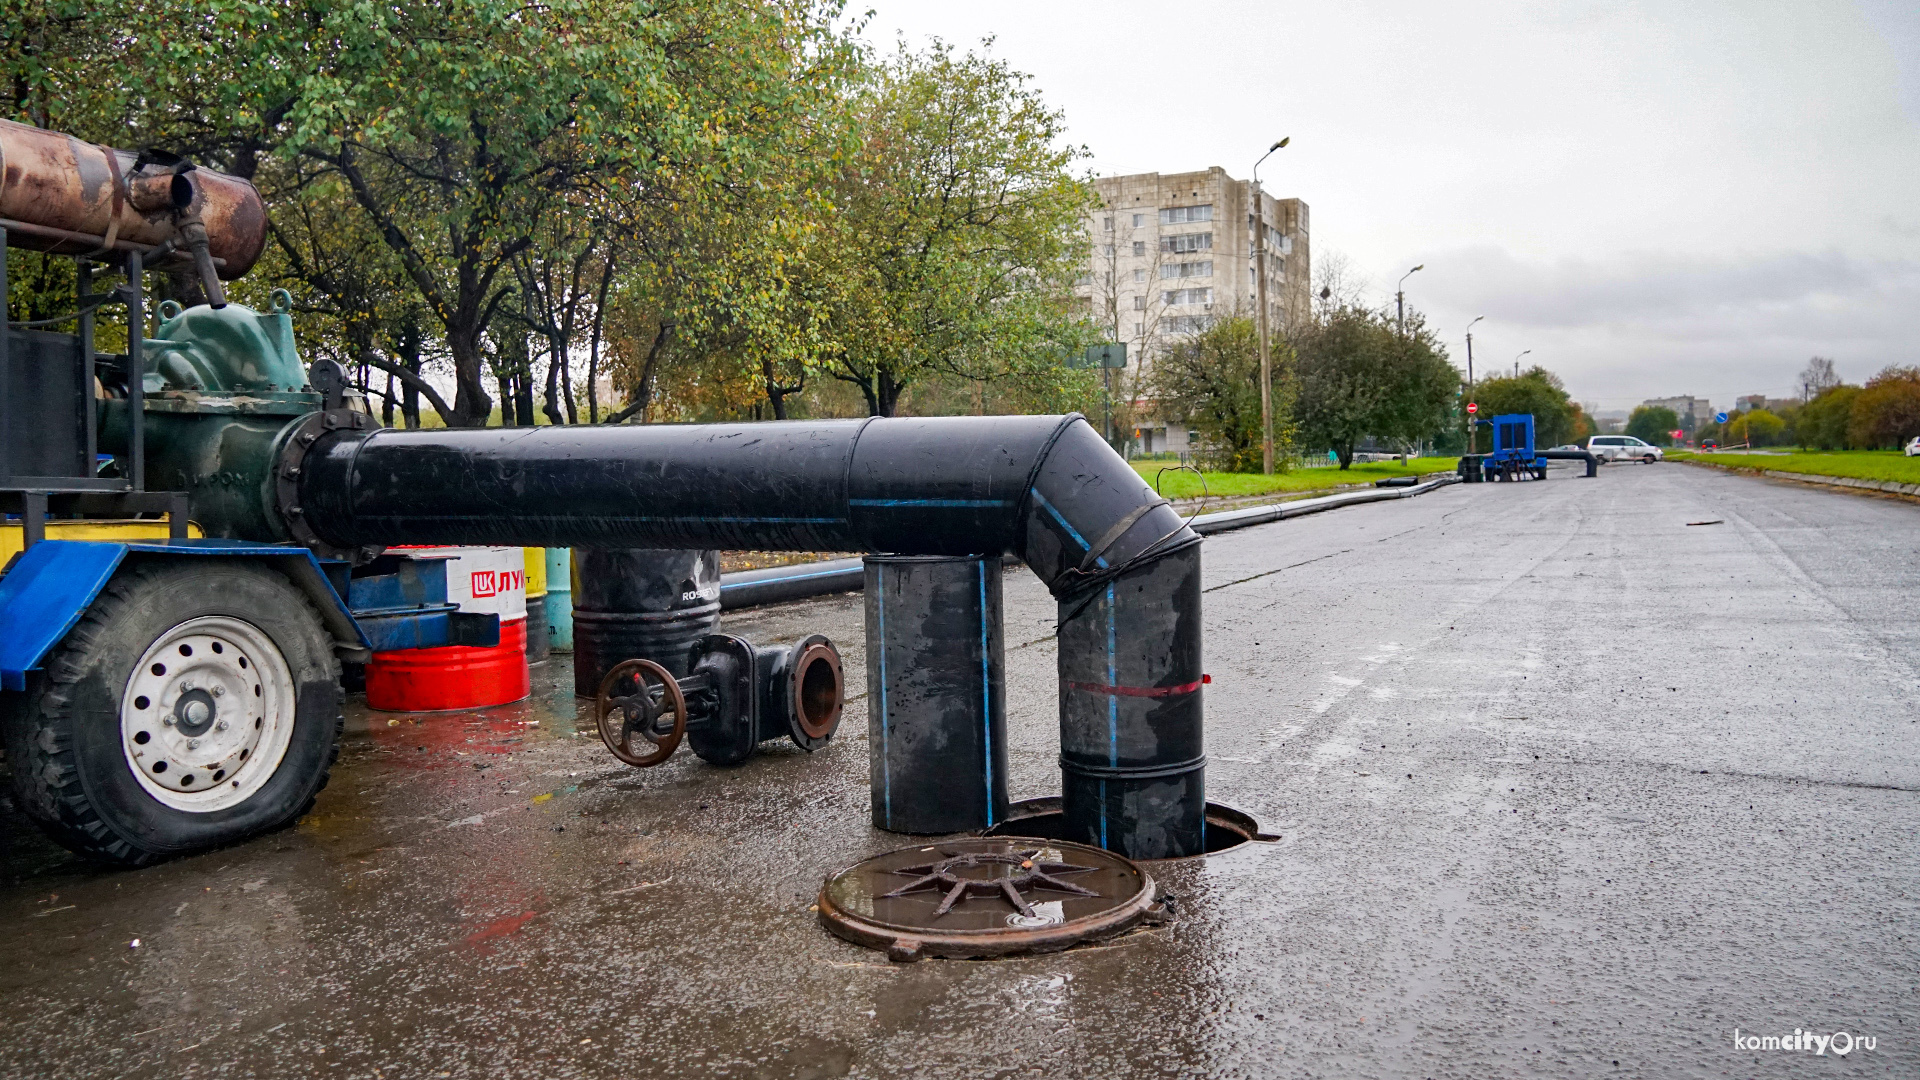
column 539, row 634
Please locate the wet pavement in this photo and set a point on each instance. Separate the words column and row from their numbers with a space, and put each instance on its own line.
column 1565, row 785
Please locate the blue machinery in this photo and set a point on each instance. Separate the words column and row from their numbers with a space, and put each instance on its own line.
column 1514, row 456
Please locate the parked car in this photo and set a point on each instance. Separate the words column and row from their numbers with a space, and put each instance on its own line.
column 1624, row 448
column 1913, row 446
column 1709, row 445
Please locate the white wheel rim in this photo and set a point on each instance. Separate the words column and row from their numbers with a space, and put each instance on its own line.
column 207, row 714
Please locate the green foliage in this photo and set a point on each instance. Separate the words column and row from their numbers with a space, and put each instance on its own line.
column 1556, row 419
column 1653, row 423
column 1756, row 427
column 952, row 243
column 1213, row 379
column 1822, row 422
column 1359, row 377
column 1886, row 413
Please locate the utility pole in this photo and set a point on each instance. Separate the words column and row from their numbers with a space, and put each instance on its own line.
column 1473, row 433
column 1260, row 316
column 1400, row 298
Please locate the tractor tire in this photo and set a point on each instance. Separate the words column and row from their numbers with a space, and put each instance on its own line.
column 194, row 705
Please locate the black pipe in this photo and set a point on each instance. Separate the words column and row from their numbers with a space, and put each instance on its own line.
column 776, row 584
column 936, row 693
column 1044, row 488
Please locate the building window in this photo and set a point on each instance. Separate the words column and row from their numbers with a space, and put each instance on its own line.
column 1139, row 303
column 1107, row 250
column 1180, row 215
column 1187, row 269
column 1139, row 329
column 1139, row 275
column 1186, row 324
column 1139, row 220
column 1139, row 247
column 1180, row 245
column 1174, row 297
column 1109, row 223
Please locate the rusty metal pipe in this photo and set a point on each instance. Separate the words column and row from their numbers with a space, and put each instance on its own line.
column 71, row 194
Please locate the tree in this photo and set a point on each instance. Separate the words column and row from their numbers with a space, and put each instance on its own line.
column 1536, row 391
column 1359, row 377
column 1213, row 379
column 1886, row 412
column 1653, row 423
column 960, row 226
column 1818, row 377
column 1822, row 423
column 1756, row 427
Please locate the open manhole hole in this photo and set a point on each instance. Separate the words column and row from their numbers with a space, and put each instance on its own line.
column 1227, row 828
column 987, row 896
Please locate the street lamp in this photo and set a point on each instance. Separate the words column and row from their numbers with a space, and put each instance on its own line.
column 1400, row 297
column 1516, row 363
column 1260, row 279
column 1472, row 432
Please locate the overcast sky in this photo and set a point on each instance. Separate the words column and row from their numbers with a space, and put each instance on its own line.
column 1656, row 199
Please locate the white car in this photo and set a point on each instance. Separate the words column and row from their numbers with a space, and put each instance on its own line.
column 1624, row 448
column 1913, row 446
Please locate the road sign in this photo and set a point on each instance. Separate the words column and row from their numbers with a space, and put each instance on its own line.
column 1112, row 354
column 1472, row 407
column 1677, row 433
column 1719, row 418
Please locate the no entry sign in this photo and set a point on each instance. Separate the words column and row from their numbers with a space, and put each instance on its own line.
column 1472, row 407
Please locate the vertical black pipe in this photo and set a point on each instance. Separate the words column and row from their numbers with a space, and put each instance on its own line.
column 936, row 693
column 1132, row 758
column 137, row 372
column 647, row 603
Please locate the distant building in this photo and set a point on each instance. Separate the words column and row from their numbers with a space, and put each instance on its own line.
column 1172, row 252
column 1694, row 413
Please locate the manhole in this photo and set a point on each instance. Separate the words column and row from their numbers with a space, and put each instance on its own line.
column 1227, row 828
column 987, row 896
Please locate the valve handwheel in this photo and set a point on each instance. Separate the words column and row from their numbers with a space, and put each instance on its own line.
column 654, row 696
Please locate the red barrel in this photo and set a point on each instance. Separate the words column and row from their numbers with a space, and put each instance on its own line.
column 452, row 677
column 483, row 580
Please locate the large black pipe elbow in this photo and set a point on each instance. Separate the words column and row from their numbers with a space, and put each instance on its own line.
column 1120, row 561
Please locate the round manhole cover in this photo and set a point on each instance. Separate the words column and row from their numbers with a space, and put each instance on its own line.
column 988, row 896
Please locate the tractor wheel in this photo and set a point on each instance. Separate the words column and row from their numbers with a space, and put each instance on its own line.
column 196, row 703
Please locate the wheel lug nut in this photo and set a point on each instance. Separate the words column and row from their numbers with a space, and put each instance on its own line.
column 186, row 684
column 220, row 726
column 193, row 744
column 219, row 691
column 166, row 721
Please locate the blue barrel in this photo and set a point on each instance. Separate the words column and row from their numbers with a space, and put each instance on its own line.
column 560, row 599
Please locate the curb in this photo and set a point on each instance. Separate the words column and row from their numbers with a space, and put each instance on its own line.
column 1844, row 482
column 801, row 581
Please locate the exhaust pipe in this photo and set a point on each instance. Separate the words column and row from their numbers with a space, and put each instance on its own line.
column 1122, row 565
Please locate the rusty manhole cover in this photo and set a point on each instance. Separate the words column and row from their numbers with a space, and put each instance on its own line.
column 986, row 896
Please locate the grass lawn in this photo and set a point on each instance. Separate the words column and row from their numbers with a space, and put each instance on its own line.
column 1859, row 464
column 1183, row 484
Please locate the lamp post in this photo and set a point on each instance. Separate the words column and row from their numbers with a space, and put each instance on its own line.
column 1472, row 432
column 1400, row 298
column 1516, row 363
column 1260, row 280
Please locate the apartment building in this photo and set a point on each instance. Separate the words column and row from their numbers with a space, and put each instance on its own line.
column 1171, row 252
column 1694, row 413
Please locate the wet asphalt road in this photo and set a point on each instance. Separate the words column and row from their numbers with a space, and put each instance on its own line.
column 1566, row 786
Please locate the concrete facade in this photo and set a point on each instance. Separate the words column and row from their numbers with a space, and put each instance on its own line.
column 1170, row 253
column 1694, row 412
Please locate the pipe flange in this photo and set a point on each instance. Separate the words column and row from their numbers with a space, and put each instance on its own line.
column 291, row 459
